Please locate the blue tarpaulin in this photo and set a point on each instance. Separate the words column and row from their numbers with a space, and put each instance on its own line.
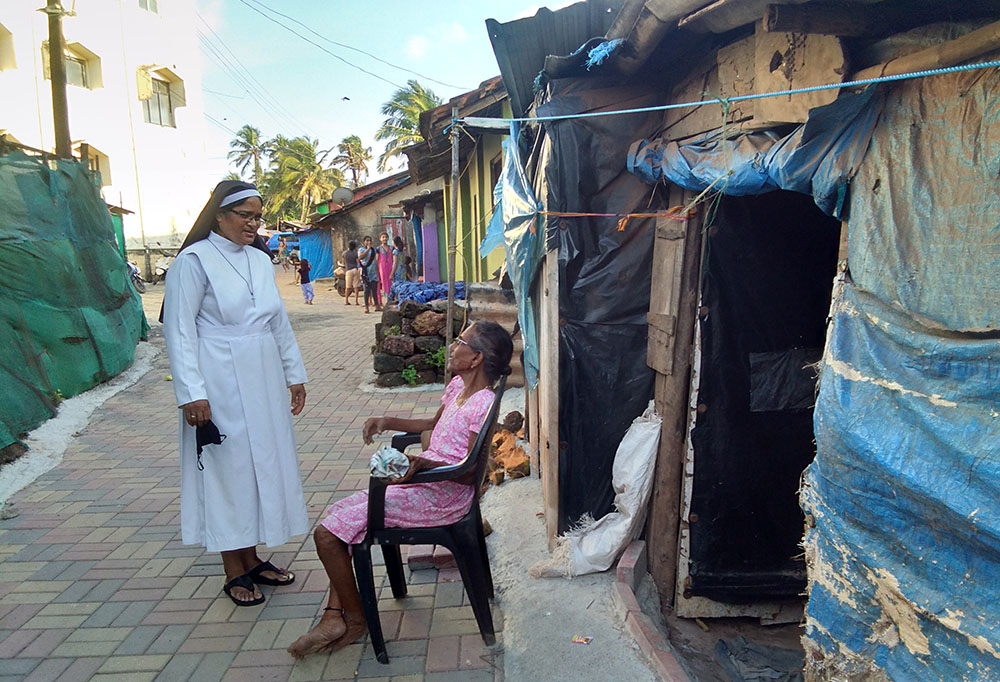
column 819, row 157
column 901, row 502
column 523, row 248
column 316, row 247
column 903, row 529
column 272, row 241
column 424, row 292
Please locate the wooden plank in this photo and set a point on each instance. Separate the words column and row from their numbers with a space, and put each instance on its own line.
column 676, row 263
column 722, row 16
column 950, row 53
column 786, row 61
column 532, row 432
column 665, row 292
column 867, row 20
column 842, row 253
column 548, row 390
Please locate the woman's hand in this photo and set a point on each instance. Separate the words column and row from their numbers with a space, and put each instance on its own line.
column 373, row 426
column 298, row 392
column 416, row 464
column 196, row 412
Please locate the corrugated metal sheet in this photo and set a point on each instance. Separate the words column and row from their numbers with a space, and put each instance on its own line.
column 522, row 45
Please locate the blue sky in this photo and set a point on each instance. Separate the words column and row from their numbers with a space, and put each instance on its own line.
column 292, row 87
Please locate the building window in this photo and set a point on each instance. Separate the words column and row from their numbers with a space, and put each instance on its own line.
column 83, row 67
column 159, row 109
column 76, row 71
column 149, row 6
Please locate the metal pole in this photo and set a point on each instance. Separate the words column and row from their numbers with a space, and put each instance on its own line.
column 57, row 72
column 452, row 240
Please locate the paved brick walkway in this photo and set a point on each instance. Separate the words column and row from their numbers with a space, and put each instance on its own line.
column 95, row 583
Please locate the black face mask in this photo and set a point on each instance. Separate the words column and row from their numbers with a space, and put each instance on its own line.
column 207, row 434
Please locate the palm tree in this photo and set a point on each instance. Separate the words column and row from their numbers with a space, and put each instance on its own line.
column 232, row 176
column 248, row 148
column 300, row 172
column 401, row 127
column 353, row 157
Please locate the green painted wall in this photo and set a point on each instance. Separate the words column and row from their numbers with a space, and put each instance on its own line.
column 475, row 207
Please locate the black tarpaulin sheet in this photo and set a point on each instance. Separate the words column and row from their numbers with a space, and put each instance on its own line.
column 69, row 319
column 766, row 292
column 604, row 280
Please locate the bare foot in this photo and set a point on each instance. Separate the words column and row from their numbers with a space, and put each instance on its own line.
column 328, row 631
column 355, row 631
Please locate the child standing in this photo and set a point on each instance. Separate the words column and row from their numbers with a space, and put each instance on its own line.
column 307, row 287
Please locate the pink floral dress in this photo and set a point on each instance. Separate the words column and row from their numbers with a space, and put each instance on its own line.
column 422, row 504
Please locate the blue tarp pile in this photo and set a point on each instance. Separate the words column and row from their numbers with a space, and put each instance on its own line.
column 424, row 292
column 819, row 157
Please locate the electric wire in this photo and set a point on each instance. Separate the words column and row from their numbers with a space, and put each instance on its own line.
column 213, row 53
column 237, row 64
column 249, row 75
column 220, row 124
column 315, row 44
column 359, row 50
column 725, row 101
column 224, row 94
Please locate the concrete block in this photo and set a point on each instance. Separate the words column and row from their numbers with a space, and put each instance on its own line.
column 632, row 565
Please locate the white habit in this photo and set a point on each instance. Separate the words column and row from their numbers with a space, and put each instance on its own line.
column 238, row 352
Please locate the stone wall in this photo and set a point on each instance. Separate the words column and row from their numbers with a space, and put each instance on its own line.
column 406, row 339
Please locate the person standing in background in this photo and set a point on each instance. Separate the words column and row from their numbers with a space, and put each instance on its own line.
column 352, row 273
column 368, row 259
column 398, row 268
column 385, row 265
column 305, row 281
column 283, row 253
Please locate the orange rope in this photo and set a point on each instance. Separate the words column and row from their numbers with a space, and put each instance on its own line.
column 675, row 213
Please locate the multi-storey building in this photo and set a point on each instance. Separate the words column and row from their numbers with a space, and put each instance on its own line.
column 134, row 94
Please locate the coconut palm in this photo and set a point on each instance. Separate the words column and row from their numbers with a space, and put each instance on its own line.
column 401, row 127
column 353, row 157
column 248, row 149
column 300, row 171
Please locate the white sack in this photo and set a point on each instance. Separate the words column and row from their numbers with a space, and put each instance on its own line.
column 595, row 545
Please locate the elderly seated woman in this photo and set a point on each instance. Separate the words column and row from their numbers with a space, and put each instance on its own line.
column 479, row 356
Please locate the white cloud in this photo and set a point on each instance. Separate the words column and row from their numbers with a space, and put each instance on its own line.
column 455, row 33
column 416, row 47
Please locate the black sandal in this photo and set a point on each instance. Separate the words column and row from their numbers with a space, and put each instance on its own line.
column 246, row 583
column 255, row 574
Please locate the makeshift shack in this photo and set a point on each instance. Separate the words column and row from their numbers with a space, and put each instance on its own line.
column 846, row 233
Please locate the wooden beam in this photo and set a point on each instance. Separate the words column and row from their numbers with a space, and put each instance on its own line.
column 548, row 389
column 674, row 294
column 789, row 61
column 864, row 20
column 942, row 55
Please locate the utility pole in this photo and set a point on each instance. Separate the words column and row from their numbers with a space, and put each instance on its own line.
column 57, row 72
column 452, row 241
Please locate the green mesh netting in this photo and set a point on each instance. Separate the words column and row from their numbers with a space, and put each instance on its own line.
column 69, row 318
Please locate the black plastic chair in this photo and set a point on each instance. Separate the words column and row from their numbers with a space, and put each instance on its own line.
column 464, row 538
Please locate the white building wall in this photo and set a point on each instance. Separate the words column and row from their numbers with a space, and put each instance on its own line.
column 158, row 172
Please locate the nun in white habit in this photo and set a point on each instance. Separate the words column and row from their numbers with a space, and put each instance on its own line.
column 233, row 358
